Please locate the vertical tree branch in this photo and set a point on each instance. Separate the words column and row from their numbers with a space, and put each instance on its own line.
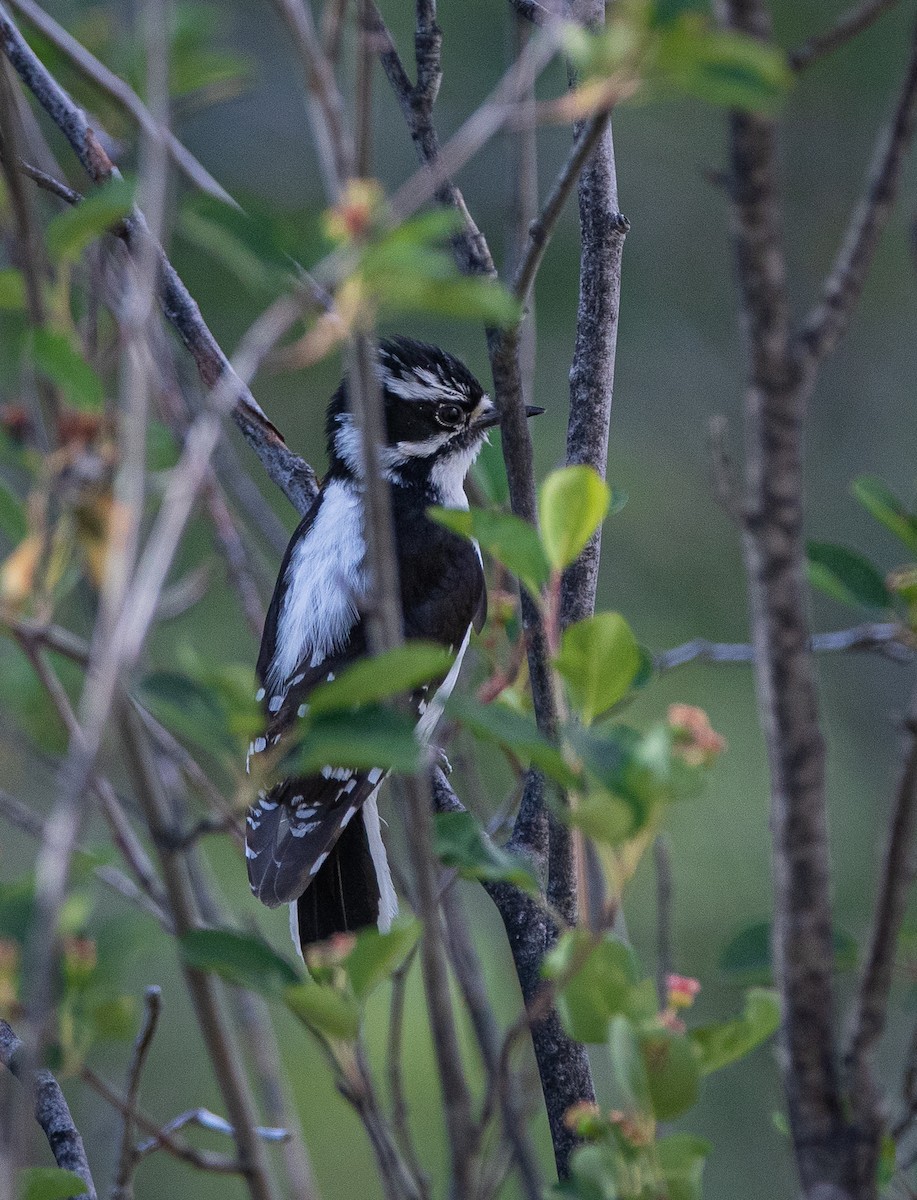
column 787, row 694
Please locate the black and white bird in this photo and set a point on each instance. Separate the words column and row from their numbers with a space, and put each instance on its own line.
column 315, row 842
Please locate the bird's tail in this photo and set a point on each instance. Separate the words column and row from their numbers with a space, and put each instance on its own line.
column 352, row 888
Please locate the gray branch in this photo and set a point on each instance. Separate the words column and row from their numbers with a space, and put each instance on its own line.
column 886, row 638
column 51, row 1110
column 787, row 693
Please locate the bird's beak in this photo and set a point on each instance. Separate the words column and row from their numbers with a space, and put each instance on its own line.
column 492, row 418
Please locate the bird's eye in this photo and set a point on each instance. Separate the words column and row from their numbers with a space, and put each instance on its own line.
column 449, row 415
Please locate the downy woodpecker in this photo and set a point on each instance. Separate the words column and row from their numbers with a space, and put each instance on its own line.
column 315, row 842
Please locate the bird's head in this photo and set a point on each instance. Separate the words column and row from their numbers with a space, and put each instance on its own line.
column 436, row 416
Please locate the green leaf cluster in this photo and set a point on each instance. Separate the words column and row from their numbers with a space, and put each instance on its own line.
column 661, row 50
column 408, row 270
column 330, row 1000
column 853, row 579
column 658, row 1067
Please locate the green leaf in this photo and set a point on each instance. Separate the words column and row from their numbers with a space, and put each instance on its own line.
column 622, row 762
column 629, row 1069
column 510, row 540
column 71, row 231
column 519, row 734
column 600, row 988
column 727, row 1041
column 370, row 737
column 599, row 659
column 884, row 505
column 681, row 1158
column 12, row 290
column 241, row 958
column 594, row 1169
column 673, row 1070
column 746, row 958
column 325, row 1009
column 607, row 818
column 12, row 513
column 53, row 355
column 376, row 956
column 409, row 273
column 572, row 504
column 461, row 842
column 50, row 1183
column 388, row 674
column 721, row 66
column 846, row 576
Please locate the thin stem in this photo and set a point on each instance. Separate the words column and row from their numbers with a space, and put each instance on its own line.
column 886, row 638
column 828, row 321
column 871, row 1004
column 123, row 1188
column 853, row 22
column 665, row 957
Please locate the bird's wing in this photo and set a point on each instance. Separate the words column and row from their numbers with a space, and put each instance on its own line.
column 293, row 827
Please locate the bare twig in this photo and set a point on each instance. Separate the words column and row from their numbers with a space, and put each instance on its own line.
column 123, row 1188
column 201, row 1160
column 885, row 638
column 722, row 472
column 787, row 691
column 523, row 211
column 665, row 961
column 385, row 630
column 828, row 321
column 115, row 87
column 256, row 1028
column 51, row 1110
column 326, row 105
column 853, row 22
column 541, row 229
column 871, row 1003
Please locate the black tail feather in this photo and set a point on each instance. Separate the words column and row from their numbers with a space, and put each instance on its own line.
column 344, row 895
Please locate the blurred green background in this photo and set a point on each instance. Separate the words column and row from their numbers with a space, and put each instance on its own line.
column 671, row 558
